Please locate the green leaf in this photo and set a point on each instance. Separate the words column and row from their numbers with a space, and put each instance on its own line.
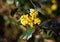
column 40, row 10
column 28, row 33
column 49, row 35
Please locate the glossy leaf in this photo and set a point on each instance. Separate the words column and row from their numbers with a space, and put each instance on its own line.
column 28, row 33
column 49, row 35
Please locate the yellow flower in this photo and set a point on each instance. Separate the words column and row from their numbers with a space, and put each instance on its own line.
column 24, row 16
column 31, row 24
column 54, row 7
column 37, row 21
column 23, row 22
column 33, row 15
column 33, row 12
column 24, row 19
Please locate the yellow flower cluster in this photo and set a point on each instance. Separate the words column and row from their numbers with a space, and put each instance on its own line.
column 30, row 19
column 54, row 6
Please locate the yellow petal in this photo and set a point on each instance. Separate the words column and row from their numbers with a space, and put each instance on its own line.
column 37, row 21
column 54, row 7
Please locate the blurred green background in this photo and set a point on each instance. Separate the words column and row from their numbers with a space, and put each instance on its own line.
column 11, row 29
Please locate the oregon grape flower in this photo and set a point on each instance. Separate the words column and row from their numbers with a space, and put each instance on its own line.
column 30, row 19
